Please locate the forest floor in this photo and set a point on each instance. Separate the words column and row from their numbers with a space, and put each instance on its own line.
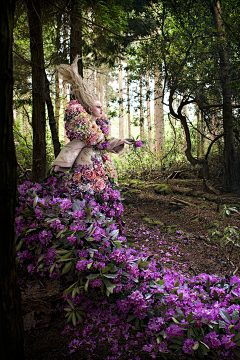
column 175, row 228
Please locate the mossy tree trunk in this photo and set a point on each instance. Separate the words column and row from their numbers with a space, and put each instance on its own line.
column 11, row 327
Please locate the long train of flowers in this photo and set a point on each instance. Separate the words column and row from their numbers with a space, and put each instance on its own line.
column 163, row 310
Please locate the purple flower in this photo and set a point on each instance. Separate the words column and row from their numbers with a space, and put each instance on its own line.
column 211, row 340
column 138, row 143
column 188, row 346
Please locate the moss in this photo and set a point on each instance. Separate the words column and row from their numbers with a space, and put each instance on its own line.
column 163, row 189
column 158, row 223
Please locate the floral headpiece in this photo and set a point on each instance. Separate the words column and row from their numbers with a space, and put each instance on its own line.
column 81, row 126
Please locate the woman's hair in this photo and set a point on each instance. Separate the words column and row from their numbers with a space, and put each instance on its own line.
column 80, row 88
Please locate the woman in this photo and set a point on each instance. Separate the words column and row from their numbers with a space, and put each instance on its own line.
column 86, row 155
column 78, row 207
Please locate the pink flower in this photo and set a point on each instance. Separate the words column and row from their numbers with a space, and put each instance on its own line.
column 89, row 174
column 99, row 184
column 99, row 171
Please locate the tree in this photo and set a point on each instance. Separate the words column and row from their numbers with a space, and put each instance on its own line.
column 38, row 90
column 227, row 113
column 11, row 326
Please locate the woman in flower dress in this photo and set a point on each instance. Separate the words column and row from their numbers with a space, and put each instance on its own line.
column 86, row 156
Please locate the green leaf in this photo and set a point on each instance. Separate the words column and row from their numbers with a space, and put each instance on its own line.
column 237, row 353
column 86, row 285
column 208, row 285
column 176, row 321
column 224, row 315
column 74, row 320
column 215, row 294
column 89, row 265
column 41, row 257
column 68, row 290
column 236, row 337
column 179, row 311
column 19, row 245
column 196, row 346
column 235, row 315
column 137, row 324
column 52, row 268
column 130, row 318
column 70, row 303
column 93, row 276
column 79, row 317
column 110, row 276
column 66, row 268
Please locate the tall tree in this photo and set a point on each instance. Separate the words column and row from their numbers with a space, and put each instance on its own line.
column 76, row 42
column 229, row 155
column 158, row 112
column 11, row 327
column 148, row 112
column 141, row 107
column 38, row 90
column 120, row 84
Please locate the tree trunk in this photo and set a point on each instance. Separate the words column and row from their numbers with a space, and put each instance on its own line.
column 51, row 119
column 121, row 118
column 57, row 101
column 141, row 108
column 76, row 34
column 38, row 90
column 149, row 113
column 158, row 113
column 11, row 326
column 229, row 155
column 128, row 105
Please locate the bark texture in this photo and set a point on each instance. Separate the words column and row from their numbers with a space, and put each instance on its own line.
column 76, row 34
column 158, row 113
column 38, row 90
column 121, row 117
column 11, row 327
column 229, row 155
column 51, row 119
column 149, row 113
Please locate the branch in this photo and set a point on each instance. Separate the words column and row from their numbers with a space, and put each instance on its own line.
column 211, row 144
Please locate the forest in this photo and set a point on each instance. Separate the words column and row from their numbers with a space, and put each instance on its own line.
column 111, row 254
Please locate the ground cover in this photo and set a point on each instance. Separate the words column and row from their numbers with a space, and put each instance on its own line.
column 176, row 235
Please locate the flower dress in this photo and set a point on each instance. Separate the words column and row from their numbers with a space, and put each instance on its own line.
column 78, row 207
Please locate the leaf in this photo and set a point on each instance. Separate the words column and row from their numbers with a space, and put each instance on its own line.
column 74, row 320
column 156, row 311
column 224, row 315
column 70, row 303
column 222, row 324
column 86, row 285
column 79, row 317
column 110, row 276
column 235, row 315
column 177, row 340
column 19, row 245
column 52, row 268
column 179, row 311
column 196, row 346
column 189, row 317
column 66, row 268
column 236, row 337
column 93, row 276
column 208, row 285
column 68, row 290
column 137, row 324
column 89, row 265
column 175, row 320
column 215, row 294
